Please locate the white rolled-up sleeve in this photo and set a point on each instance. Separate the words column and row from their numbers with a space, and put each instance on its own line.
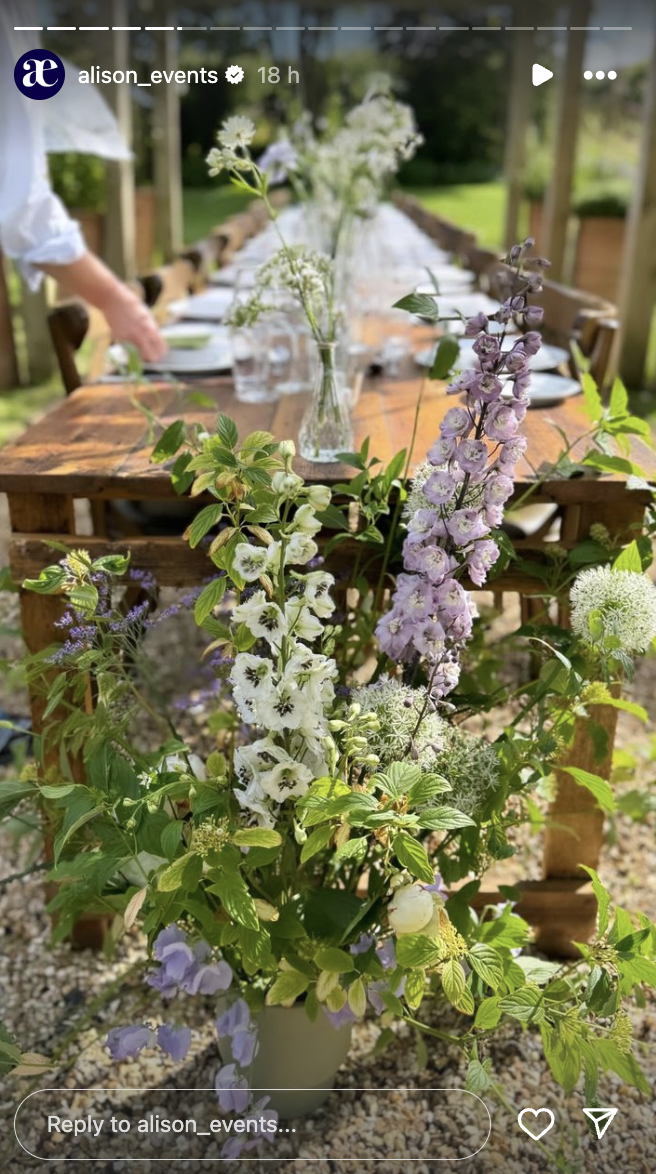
column 35, row 228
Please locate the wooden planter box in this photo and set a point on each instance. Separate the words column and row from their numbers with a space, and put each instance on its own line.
column 599, row 252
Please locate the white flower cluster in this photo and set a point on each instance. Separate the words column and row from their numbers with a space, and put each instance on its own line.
column 288, row 690
column 398, row 709
column 614, row 605
column 235, row 136
column 470, row 765
column 305, row 273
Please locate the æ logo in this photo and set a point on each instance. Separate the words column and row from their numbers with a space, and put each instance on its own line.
column 39, row 74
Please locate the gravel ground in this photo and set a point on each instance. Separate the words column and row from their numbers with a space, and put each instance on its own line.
column 45, row 990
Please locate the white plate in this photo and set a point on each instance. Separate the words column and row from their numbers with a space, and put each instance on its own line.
column 547, row 358
column 449, row 278
column 209, row 306
column 186, row 336
column 208, row 360
column 547, row 389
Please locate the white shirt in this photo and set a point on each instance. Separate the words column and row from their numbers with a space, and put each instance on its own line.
column 35, row 228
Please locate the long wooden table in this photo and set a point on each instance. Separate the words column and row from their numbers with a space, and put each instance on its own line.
column 96, row 444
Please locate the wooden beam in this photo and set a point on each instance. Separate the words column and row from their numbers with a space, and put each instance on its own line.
column 518, row 116
column 9, row 376
column 558, row 200
column 120, row 235
column 638, row 285
column 167, row 151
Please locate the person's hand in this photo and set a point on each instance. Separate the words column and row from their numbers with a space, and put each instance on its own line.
column 132, row 322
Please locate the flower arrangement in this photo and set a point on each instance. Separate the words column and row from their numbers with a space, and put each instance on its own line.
column 311, row 860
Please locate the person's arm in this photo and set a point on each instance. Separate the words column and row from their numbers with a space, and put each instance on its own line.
column 128, row 318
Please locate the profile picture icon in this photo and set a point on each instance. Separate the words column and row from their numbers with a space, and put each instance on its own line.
column 39, row 74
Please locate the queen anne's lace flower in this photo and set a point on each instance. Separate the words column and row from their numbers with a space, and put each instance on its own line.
column 609, row 606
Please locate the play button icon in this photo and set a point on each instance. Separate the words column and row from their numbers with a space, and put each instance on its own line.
column 541, row 75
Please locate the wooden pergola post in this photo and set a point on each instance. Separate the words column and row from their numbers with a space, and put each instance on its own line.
column 120, row 234
column 8, row 361
column 558, row 200
column 519, row 107
column 167, row 152
column 38, row 343
column 638, row 287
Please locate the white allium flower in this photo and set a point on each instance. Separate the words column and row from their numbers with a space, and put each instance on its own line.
column 397, row 708
column 236, row 131
column 250, row 561
column 262, row 617
column 614, row 605
column 470, row 765
column 286, row 779
column 410, row 910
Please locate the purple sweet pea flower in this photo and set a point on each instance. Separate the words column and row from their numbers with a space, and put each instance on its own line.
column 386, row 954
column 176, row 1041
column 208, row 979
column 375, row 989
column 245, row 1047
column 170, row 936
column 364, row 943
column 160, row 981
column 232, row 1091
column 438, row 884
column 341, row 1018
column 236, row 1018
column 123, row 1043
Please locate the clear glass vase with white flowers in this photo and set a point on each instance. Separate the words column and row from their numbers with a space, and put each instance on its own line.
column 310, row 277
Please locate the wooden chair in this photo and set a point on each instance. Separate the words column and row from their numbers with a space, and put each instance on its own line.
column 75, row 327
column 168, row 284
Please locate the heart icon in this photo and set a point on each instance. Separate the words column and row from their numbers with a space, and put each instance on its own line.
column 536, row 1113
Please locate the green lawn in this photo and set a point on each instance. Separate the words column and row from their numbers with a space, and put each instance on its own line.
column 204, row 208
column 479, row 207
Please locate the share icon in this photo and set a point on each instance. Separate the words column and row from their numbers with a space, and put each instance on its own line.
column 601, row 1119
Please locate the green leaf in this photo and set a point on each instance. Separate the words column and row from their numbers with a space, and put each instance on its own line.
column 236, row 899
column 209, row 598
column 629, row 559
column 525, row 1004
column 257, row 838
column 49, row 582
column 287, row 987
column 479, row 1079
column 357, row 998
column 184, row 873
column 415, row 949
column 70, row 828
column 415, row 988
column 488, row 1014
column 355, row 849
column 12, row 792
column 608, row 464
column 487, row 963
column 423, row 305
column 335, row 960
column 84, row 597
column 226, row 430
column 203, row 523
column 454, row 983
column 593, row 402
column 169, row 442
column 181, row 477
column 444, row 819
column 171, row 838
column 316, row 841
column 446, row 355
column 426, row 788
column 619, row 399
column 410, row 853
column 603, row 899
column 597, row 786
column 626, row 1067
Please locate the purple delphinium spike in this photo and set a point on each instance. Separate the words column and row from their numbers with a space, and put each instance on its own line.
column 474, row 461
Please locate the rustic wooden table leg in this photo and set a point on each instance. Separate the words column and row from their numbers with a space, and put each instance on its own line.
column 41, row 515
column 576, row 837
